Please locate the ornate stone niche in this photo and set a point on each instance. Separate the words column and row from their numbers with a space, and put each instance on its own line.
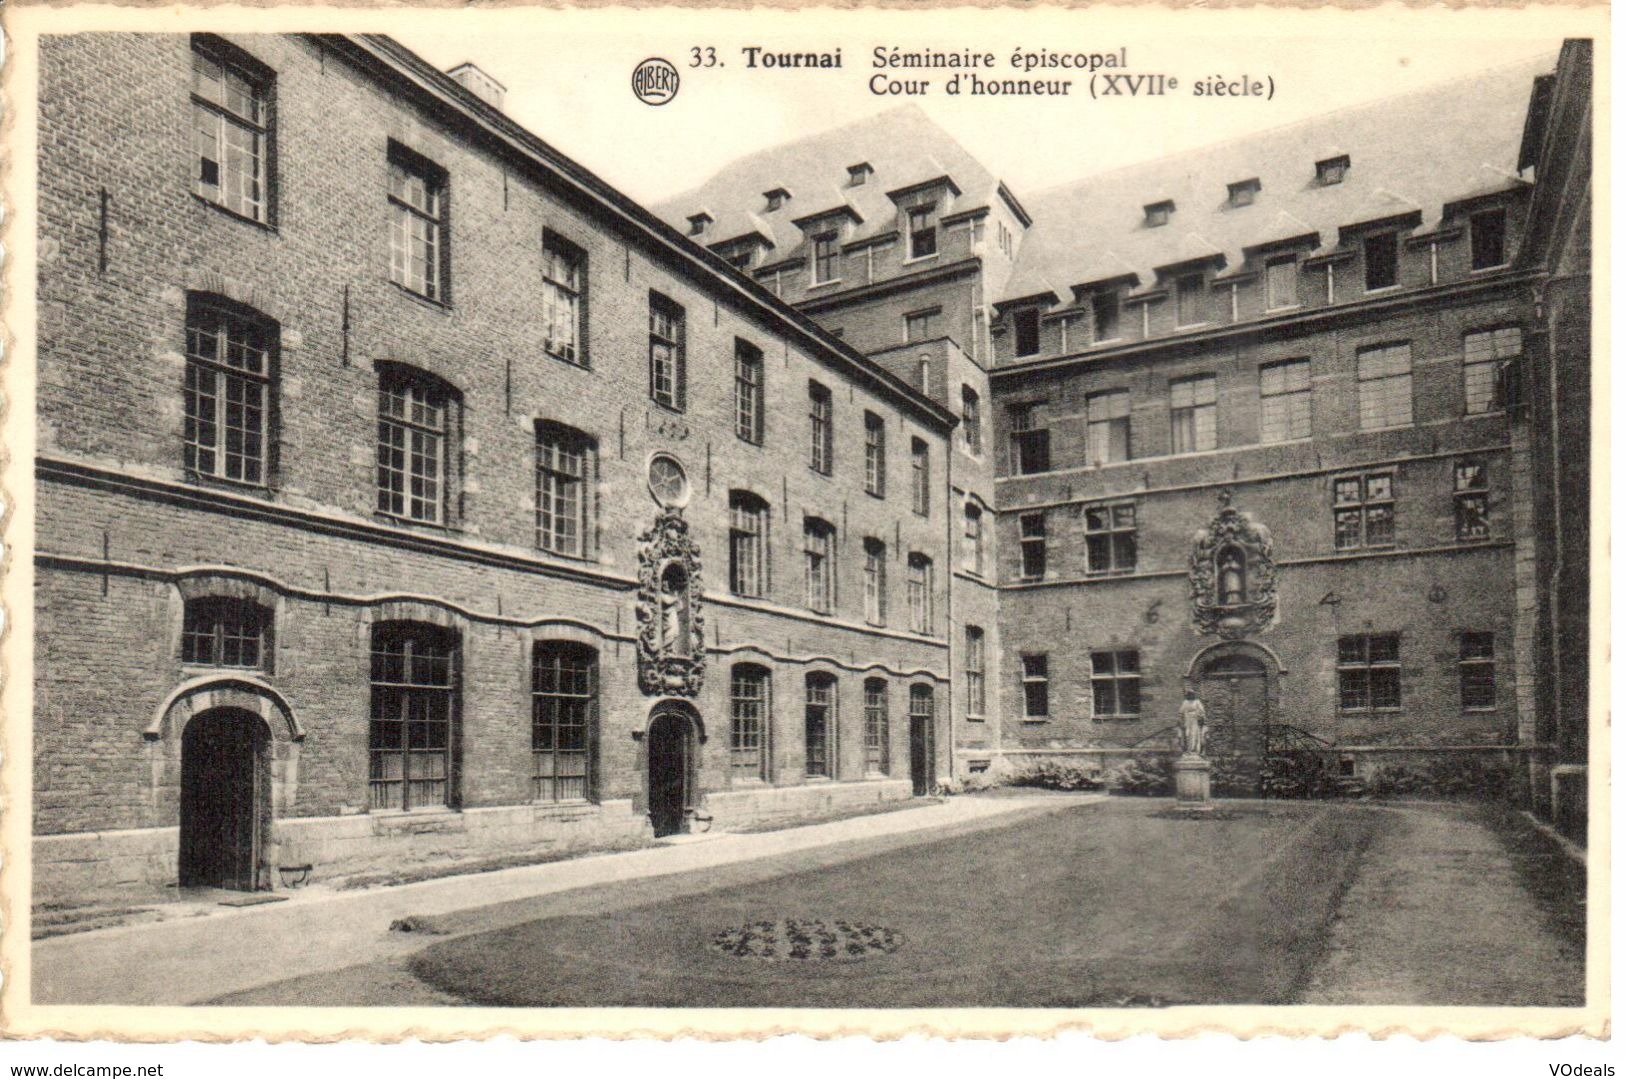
column 671, row 624
column 1232, row 574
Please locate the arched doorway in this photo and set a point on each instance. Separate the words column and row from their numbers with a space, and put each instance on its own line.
column 673, row 741
column 1237, row 692
column 225, row 800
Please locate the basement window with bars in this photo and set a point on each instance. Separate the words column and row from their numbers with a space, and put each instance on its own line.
column 1368, row 672
column 563, row 721
column 221, row 631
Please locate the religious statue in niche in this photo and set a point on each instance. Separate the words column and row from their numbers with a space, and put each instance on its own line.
column 671, row 625
column 1232, row 573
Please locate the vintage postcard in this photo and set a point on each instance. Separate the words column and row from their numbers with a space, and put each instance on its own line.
column 571, row 521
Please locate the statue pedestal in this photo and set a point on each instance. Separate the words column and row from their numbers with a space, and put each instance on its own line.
column 1193, row 783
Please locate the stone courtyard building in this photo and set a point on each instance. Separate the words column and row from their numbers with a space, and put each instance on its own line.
column 408, row 494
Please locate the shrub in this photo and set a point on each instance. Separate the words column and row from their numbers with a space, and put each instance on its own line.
column 1056, row 776
column 1468, row 778
column 1144, row 774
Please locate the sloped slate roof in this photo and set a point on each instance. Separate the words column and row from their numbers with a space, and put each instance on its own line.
column 902, row 145
column 1408, row 155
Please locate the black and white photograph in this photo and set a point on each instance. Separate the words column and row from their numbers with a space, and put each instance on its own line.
column 975, row 520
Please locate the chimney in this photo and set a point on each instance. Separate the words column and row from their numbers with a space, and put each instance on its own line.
column 479, row 84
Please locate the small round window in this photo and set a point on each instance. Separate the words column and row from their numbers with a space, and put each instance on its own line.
column 668, row 483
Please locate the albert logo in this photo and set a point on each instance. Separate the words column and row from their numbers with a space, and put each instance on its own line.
column 655, row 81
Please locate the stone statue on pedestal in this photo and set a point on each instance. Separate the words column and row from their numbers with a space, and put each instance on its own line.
column 1192, row 723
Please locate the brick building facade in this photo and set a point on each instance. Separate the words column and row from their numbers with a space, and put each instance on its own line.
column 406, row 493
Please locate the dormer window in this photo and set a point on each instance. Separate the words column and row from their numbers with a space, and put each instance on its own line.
column 776, row 198
column 858, row 175
column 1158, row 213
column 1243, row 192
column 1331, row 170
column 698, row 223
column 1025, row 324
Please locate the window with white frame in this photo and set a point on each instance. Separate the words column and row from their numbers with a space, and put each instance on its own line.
column 1363, row 510
column 564, row 463
column 1384, row 376
column 415, row 414
column 975, row 672
column 1115, row 682
column 920, row 462
column 821, row 429
column 1368, row 672
column 1034, row 552
column 224, row 631
column 229, row 394
column 1285, row 397
column 564, row 282
column 1472, row 498
column 818, row 551
column 1109, row 534
column 1193, row 413
column 876, row 728
column 921, row 593
column 1029, row 442
column 1108, row 430
column 667, row 373
column 417, row 224
column 750, row 699
column 874, row 455
column 1035, row 686
column 820, row 726
column 922, row 232
column 749, row 403
column 970, row 419
column 826, row 255
column 231, row 129
column 874, row 582
column 1485, row 356
column 748, row 519
column 414, row 704
column 974, row 552
column 564, row 720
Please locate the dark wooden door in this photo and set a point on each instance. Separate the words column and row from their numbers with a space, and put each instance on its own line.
column 222, row 755
column 921, row 754
column 669, row 767
column 1235, row 693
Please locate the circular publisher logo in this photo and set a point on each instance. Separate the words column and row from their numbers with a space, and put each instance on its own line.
column 655, row 81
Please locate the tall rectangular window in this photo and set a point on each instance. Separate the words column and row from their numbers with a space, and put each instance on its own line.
column 818, row 550
column 1188, row 299
column 1193, row 413
column 820, row 725
column 564, row 715
column 1035, row 686
column 1485, row 355
column 920, row 462
column 974, row 554
column 749, row 703
column 1109, row 536
column 230, row 132
column 563, row 467
column 667, row 367
column 1108, row 430
column 1488, row 239
column 876, row 728
column 1472, row 497
column 1285, row 397
column 1368, row 672
column 921, row 589
column 975, row 672
column 1281, row 282
column 874, row 455
column 922, row 232
column 1115, row 681
column 826, row 259
column 414, row 690
column 970, row 420
column 1384, row 375
column 1105, row 309
column 1381, row 261
column 229, row 360
column 749, row 404
column 417, row 224
column 1029, row 443
column 874, row 582
column 1033, row 546
column 1025, row 322
column 1363, row 510
column 564, row 281
column 821, row 429
column 412, row 434
column 747, row 544
column 1476, row 669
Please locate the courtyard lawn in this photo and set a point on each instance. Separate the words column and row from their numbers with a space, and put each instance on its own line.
column 1123, row 903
